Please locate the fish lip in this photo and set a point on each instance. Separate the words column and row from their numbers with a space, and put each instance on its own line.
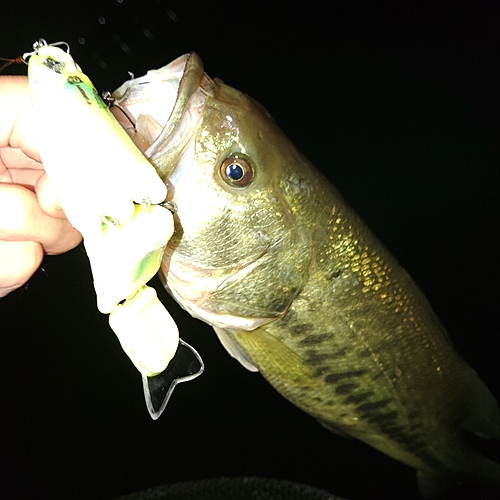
column 152, row 95
column 191, row 80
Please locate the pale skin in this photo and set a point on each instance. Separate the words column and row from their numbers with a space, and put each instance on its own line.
column 32, row 223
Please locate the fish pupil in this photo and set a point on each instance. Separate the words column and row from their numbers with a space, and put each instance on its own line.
column 234, row 171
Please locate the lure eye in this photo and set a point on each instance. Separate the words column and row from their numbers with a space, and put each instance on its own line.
column 236, row 171
column 73, row 79
column 53, row 65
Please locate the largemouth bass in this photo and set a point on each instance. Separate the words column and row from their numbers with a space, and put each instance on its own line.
column 267, row 251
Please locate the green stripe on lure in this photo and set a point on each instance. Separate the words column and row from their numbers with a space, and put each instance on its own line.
column 112, row 195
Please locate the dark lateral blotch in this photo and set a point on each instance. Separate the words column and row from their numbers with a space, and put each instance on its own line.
column 335, row 378
column 345, row 388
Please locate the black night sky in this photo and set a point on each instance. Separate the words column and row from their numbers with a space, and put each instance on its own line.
column 398, row 106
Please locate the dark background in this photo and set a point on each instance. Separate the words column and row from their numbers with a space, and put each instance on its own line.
column 399, row 106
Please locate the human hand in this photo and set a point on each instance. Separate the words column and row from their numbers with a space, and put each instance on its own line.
column 32, row 222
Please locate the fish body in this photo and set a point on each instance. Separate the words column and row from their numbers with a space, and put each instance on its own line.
column 268, row 252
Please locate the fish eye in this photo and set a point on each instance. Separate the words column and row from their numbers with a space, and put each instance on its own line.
column 236, row 171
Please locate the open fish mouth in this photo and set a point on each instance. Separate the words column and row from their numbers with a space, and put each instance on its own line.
column 161, row 109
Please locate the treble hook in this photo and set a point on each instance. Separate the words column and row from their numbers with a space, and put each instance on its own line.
column 111, row 101
column 42, row 43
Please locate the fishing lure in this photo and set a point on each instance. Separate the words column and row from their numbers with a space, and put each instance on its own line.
column 114, row 197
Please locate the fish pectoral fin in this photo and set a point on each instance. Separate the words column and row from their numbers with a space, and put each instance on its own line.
column 234, row 349
column 276, row 361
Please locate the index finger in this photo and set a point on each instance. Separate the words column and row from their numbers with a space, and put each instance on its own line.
column 22, row 219
column 17, row 124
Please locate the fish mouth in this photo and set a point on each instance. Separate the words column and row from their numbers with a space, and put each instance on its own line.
column 162, row 109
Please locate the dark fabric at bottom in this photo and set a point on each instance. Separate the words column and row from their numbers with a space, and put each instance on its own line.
column 234, row 488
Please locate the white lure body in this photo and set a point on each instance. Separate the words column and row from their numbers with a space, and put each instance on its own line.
column 111, row 194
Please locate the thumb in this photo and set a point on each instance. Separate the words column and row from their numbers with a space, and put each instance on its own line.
column 47, row 198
